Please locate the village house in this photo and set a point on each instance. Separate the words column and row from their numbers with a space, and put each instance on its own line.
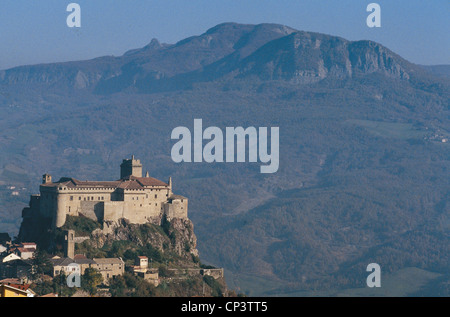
column 67, row 266
column 109, row 267
column 141, row 269
column 16, row 290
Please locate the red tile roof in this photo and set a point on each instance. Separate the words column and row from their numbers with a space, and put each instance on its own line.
column 129, row 182
column 145, row 181
column 22, row 287
column 25, row 250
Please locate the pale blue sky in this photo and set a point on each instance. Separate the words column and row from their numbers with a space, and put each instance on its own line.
column 36, row 32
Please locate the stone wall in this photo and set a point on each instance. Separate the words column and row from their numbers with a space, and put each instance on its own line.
column 176, row 208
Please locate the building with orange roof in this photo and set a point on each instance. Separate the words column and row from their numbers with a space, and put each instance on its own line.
column 16, row 290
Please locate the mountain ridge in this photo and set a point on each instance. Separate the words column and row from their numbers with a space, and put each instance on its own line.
column 223, row 49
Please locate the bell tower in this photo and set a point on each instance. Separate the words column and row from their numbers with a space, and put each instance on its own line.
column 46, row 178
column 69, row 245
column 130, row 167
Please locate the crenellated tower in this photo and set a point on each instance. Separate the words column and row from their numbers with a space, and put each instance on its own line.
column 130, row 167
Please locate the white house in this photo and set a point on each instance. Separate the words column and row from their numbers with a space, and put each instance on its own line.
column 10, row 257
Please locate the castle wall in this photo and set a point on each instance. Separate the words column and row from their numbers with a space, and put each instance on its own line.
column 100, row 204
column 113, row 210
column 176, row 208
column 87, row 201
column 133, row 211
column 60, row 218
column 91, row 209
column 47, row 203
column 139, row 200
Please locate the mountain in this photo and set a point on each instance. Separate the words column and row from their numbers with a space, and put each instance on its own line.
column 153, row 61
column 267, row 51
column 364, row 150
column 440, row 70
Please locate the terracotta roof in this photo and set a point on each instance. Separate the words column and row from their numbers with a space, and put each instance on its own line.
column 129, row 182
column 148, row 181
column 130, row 185
column 22, row 287
column 111, row 184
column 141, row 182
column 22, row 250
column 29, row 245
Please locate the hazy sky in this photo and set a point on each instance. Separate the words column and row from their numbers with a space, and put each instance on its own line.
column 33, row 31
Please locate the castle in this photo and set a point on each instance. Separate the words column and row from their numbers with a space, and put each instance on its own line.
column 133, row 197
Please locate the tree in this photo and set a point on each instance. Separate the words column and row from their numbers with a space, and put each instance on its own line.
column 90, row 280
column 118, row 287
column 42, row 264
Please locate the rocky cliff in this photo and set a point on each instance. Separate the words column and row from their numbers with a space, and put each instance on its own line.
column 176, row 237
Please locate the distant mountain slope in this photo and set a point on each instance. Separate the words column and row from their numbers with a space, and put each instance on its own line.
column 441, row 70
column 154, row 61
column 268, row 51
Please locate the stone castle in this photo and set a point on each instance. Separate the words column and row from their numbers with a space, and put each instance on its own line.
column 133, row 197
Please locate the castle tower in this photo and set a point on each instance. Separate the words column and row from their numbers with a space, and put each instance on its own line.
column 170, row 183
column 69, row 244
column 130, row 167
column 46, row 178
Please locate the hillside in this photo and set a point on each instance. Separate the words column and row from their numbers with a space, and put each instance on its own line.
column 170, row 248
column 363, row 167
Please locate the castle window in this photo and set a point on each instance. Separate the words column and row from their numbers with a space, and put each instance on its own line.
column 92, row 198
column 71, row 198
column 79, row 198
column 156, row 196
